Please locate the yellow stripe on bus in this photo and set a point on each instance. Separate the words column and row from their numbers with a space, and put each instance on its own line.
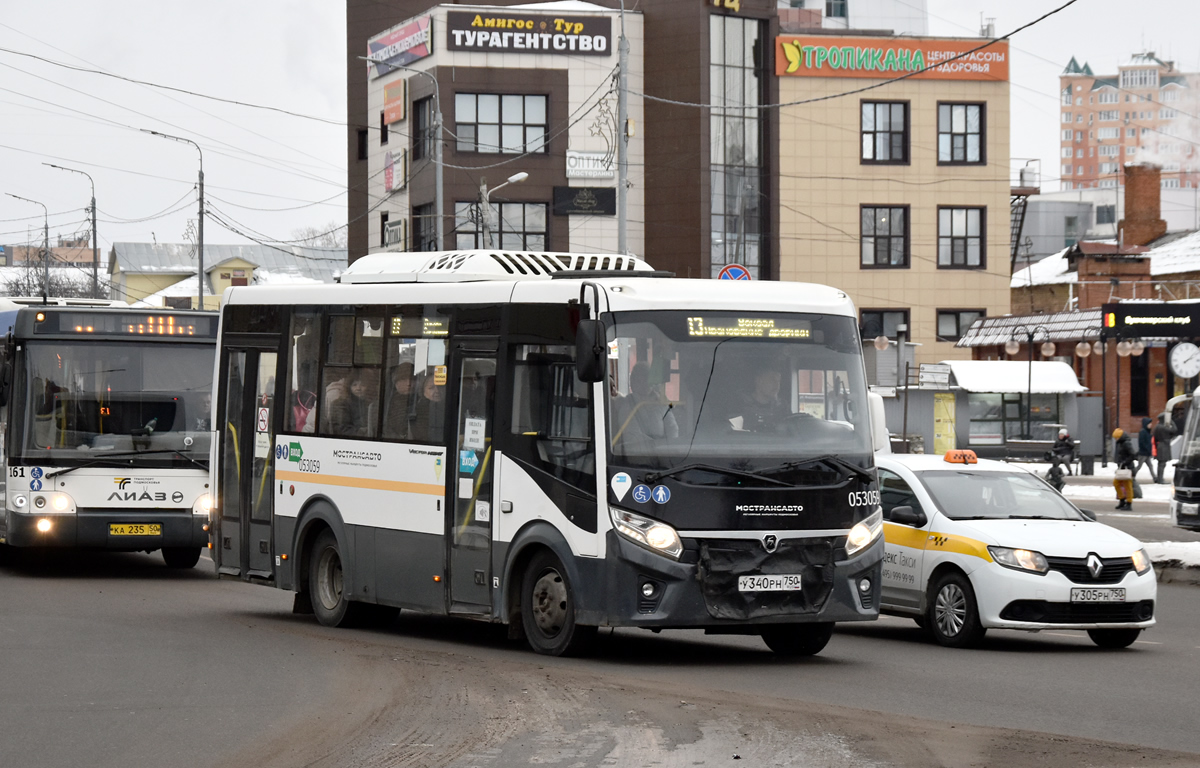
column 428, row 489
column 915, row 538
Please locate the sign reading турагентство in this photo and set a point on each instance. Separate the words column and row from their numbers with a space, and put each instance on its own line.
column 1151, row 320
column 875, row 57
column 529, row 33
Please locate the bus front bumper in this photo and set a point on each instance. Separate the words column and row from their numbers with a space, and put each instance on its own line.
column 648, row 590
column 115, row 529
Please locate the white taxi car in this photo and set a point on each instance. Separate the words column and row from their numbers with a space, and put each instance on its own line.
column 975, row 544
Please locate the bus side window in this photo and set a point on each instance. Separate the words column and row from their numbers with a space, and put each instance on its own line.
column 552, row 409
column 302, row 364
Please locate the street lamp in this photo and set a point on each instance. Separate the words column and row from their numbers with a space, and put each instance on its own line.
column 45, row 245
column 486, row 212
column 95, row 242
column 1012, row 347
column 200, row 238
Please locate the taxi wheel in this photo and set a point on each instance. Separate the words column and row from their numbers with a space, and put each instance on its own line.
column 797, row 639
column 953, row 615
column 1114, row 638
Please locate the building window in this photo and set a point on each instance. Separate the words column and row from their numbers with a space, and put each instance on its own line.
column 362, row 144
column 422, row 129
column 1110, row 150
column 1131, row 151
column 514, row 226
column 383, row 220
column 1106, row 214
column 1108, row 133
column 1067, row 118
column 1068, row 134
column 835, row 9
column 884, row 132
column 883, row 322
column 1070, row 230
column 884, row 236
column 1066, row 99
column 960, row 133
column 1167, row 114
column 960, row 238
column 424, row 228
column 737, row 150
column 1169, row 95
column 1108, row 96
column 1110, row 114
column 505, row 123
column 1131, row 133
column 952, row 324
column 1139, row 78
column 1109, row 167
column 383, row 130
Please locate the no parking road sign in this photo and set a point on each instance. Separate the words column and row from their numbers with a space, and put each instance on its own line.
column 734, row 272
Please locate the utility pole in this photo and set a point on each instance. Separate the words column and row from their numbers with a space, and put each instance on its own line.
column 45, row 246
column 623, row 137
column 200, row 243
column 95, row 241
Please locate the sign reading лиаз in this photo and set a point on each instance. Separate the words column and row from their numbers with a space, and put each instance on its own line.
column 883, row 57
column 529, row 33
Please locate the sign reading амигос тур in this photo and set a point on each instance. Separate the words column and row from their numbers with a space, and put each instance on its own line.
column 889, row 57
column 529, row 33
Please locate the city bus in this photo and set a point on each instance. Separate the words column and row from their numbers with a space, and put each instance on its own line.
column 105, row 412
column 555, row 442
column 1185, row 501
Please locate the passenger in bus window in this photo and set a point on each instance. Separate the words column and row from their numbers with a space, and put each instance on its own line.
column 430, row 411
column 398, row 414
column 646, row 413
column 204, row 419
column 349, row 413
column 761, row 410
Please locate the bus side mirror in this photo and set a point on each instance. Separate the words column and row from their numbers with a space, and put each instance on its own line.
column 880, row 440
column 5, row 377
column 589, row 351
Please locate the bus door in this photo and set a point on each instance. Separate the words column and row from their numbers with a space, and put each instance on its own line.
column 243, row 544
column 474, row 373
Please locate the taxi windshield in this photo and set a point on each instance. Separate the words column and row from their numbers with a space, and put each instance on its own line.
column 740, row 391
column 974, row 495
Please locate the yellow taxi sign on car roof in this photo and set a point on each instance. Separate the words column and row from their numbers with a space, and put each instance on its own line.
column 961, row 457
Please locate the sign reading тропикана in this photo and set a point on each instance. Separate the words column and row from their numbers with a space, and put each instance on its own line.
column 886, row 57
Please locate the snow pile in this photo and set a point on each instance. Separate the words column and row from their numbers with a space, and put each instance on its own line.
column 1184, row 554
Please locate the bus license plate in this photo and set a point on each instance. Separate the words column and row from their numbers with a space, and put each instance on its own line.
column 135, row 529
column 775, row 582
column 1089, row 595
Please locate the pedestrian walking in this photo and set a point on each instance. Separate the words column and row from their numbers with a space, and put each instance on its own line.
column 1125, row 455
column 1145, row 448
column 1164, row 430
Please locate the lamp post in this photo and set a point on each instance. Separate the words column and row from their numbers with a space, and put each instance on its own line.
column 486, row 206
column 1083, row 350
column 200, row 237
column 1012, row 347
column 95, row 242
column 45, row 246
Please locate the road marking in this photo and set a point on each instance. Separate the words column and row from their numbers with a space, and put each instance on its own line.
column 1147, row 642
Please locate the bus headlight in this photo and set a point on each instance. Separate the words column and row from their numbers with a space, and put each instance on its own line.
column 651, row 534
column 203, row 505
column 864, row 533
column 60, row 502
column 1141, row 561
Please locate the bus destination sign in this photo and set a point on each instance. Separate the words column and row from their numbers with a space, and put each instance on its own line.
column 749, row 327
column 107, row 323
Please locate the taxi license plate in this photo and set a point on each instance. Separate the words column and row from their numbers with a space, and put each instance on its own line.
column 775, row 582
column 135, row 529
column 1090, row 595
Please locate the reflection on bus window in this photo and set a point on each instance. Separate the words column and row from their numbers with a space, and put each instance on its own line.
column 415, row 401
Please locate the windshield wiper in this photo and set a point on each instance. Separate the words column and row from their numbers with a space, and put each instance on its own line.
column 828, row 460
column 125, row 454
column 654, row 476
column 1036, row 517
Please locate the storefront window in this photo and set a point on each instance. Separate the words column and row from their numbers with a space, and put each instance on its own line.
column 997, row 418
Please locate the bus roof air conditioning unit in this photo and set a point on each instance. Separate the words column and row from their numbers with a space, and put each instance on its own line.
column 474, row 266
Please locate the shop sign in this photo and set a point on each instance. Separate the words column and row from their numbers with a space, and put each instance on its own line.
column 529, row 33
column 882, row 58
column 585, row 201
column 395, row 97
column 1151, row 320
column 400, row 46
column 590, row 165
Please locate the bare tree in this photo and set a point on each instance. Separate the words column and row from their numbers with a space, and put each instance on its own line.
column 65, row 282
column 331, row 235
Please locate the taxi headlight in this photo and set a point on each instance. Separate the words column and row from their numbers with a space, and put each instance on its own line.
column 863, row 533
column 1141, row 561
column 651, row 534
column 1020, row 559
column 203, row 505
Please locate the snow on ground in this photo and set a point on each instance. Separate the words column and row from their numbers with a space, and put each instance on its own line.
column 1186, row 553
column 1150, row 492
column 1105, row 473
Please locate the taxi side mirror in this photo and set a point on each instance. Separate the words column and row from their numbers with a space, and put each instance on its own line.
column 1089, row 514
column 906, row 515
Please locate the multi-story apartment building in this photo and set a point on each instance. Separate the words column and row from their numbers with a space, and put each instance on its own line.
column 1146, row 112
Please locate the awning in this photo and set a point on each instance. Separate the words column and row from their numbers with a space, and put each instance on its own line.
column 1015, row 377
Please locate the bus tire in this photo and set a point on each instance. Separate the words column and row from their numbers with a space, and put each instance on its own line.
column 1114, row 638
column 953, row 617
column 548, row 609
column 181, row 557
column 797, row 639
column 330, row 603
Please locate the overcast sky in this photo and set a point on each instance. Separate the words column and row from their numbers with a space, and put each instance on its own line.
column 290, row 55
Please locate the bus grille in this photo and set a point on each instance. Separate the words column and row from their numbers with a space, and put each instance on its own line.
column 722, row 561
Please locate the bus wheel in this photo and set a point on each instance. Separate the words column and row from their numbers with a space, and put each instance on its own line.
column 181, row 557
column 953, row 615
column 1114, row 638
column 548, row 609
column 325, row 583
column 797, row 639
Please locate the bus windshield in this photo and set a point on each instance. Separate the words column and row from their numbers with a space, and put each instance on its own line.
column 85, row 401
column 744, row 391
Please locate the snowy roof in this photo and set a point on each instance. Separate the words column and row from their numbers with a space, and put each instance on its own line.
column 1011, row 376
column 1060, row 327
column 1181, row 254
column 1144, row 59
column 1051, row 270
column 320, row 264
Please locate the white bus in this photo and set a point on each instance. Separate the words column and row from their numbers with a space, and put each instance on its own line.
column 558, row 442
column 105, row 412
